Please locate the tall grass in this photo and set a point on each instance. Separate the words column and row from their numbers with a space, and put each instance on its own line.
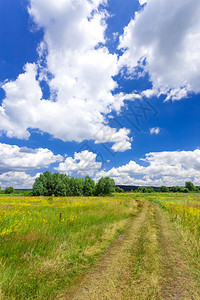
column 46, row 243
column 184, row 210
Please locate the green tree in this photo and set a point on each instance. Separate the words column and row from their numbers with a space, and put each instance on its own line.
column 88, row 186
column 175, row 189
column 105, row 186
column 60, row 188
column 142, row 189
column 9, row 190
column 76, row 186
column 184, row 190
column 164, row 189
column 38, row 188
column 150, row 190
column 190, row 186
column 118, row 189
column 44, row 184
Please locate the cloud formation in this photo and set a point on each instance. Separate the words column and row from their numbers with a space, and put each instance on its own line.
column 14, row 158
column 163, row 39
column 18, row 180
column 79, row 70
column 163, row 168
column 84, row 163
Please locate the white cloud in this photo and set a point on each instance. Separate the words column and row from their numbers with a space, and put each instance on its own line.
column 14, row 158
column 164, row 168
column 164, row 40
column 81, row 83
column 142, row 2
column 155, row 130
column 84, row 163
column 120, row 138
column 18, row 180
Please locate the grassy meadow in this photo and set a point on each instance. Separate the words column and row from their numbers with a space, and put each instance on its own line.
column 47, row 244
column 184, row 209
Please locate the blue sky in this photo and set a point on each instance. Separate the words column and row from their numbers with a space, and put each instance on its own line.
column 100, row 88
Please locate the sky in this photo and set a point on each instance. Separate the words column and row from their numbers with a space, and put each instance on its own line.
column 100, row 88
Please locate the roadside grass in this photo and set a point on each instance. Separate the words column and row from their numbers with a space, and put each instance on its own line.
column 183, row 211
column 47, row 243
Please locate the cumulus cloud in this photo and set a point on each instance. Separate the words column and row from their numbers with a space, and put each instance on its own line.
column 18, row 180
column 79, row 70
column 163, row 39
column 163, row 168
column 154, row 130
column 84, row 163
column 14, row 158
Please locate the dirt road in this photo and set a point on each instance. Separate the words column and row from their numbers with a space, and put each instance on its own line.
column 150, row 261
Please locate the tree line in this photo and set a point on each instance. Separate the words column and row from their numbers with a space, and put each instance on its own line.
column 48, row 184
column 56, row 184
column 189, row 187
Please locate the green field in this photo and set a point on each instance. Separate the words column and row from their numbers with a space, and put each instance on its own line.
column 50, row 248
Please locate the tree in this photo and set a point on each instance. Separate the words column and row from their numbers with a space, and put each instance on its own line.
column 9, row 190
column 88, row 186
column 184, row 190
column 105, row 186
column 118, row 189
column 60, row 188
column 175, row 189
column 48, row 184
column 76, row 186
column 164, row 189
column 142, row 189
column 150, row 190
column 190, row 186
column 38, row 188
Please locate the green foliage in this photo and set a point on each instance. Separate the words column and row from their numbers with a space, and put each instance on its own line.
column 184, row 190
column 175, row 189
column 164, row 189
column 118, row 189
column 150, row 190
column 190, row 186
column 105, row 186
column 142, row 189
column 9, row 190
column 88, row 186
column 48, row 184
column 28, row 193
column 76, row 186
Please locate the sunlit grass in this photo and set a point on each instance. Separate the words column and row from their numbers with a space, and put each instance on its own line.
column 185, row 209
column 45, row 243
